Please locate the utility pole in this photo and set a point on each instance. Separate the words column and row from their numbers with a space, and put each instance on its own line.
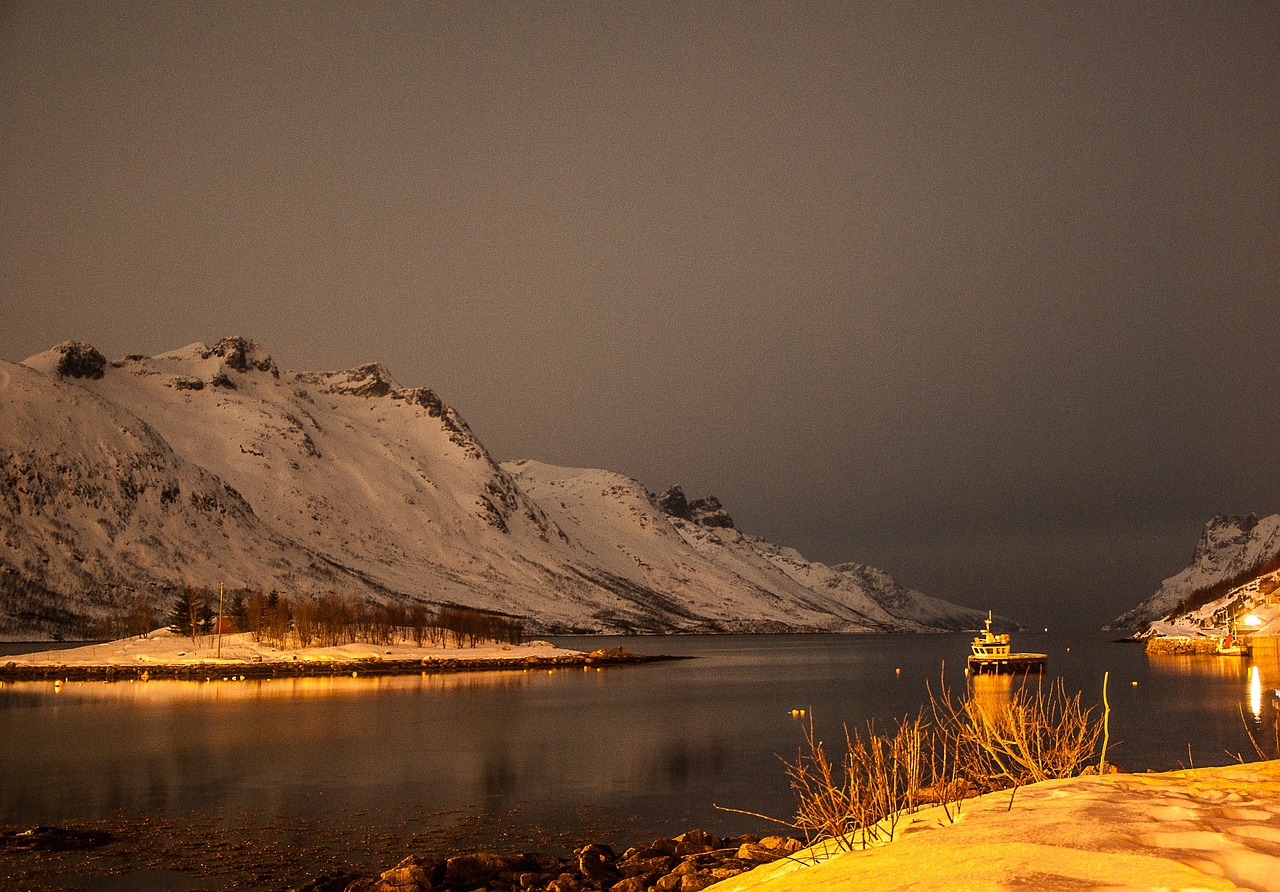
column 219, row 620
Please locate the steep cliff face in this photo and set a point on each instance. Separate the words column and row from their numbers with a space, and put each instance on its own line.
column 1231, row 548
column 211, row 464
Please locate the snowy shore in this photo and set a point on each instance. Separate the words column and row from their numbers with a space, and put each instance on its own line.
column 165, row 655
column 1208, row 828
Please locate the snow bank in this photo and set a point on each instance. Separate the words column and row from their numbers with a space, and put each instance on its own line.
column 1211, row 828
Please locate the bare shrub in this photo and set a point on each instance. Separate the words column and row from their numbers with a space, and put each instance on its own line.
column 880, row 778
column 1043, row 734
column 956, row 750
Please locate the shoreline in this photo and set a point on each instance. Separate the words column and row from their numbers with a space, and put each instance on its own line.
column 225, row 670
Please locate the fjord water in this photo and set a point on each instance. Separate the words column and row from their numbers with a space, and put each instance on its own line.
column 618, row 754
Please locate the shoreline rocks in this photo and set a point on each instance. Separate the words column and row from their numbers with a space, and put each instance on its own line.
column 1180, row 646
column 687, row 863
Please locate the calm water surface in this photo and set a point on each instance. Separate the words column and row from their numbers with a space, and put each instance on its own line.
column 624, row 753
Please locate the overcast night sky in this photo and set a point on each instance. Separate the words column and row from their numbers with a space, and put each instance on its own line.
column 984, row 294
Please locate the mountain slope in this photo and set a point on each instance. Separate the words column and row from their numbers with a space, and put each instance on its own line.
column 1231, row 550
column 210, row 464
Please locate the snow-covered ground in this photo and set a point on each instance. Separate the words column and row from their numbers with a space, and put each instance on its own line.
column 163, row 647
column 1211, row 828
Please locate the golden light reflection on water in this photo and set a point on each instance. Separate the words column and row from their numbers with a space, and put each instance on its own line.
column 1255, row 692
column 991, row 693
column 1197, row 664
column 232, row 689
column 1257, row 674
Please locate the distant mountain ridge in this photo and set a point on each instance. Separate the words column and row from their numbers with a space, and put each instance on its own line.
column 210, row 464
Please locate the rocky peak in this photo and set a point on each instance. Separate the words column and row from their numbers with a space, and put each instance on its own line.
column 241, row 355
column 79, row 359
column 1224, row 531
column 371, row 380
column 707, row 512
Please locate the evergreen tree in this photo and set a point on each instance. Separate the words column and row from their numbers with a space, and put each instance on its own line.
column 238, row 612
column 190, row 613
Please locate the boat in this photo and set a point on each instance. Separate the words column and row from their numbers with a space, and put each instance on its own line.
column 1231, row 646
column 991, row 653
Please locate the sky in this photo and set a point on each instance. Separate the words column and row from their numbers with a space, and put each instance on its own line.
column 983, row 294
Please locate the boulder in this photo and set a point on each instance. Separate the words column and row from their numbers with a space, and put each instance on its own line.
column 479, row 868
column 630, row 884
column 596, row 863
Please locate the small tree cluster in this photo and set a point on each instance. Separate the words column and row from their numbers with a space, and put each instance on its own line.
column 134, row 615
column 331, row 619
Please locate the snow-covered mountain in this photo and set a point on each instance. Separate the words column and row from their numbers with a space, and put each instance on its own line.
column 210, row 464
column 1231, row 551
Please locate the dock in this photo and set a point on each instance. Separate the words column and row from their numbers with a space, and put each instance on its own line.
column 1008, row 664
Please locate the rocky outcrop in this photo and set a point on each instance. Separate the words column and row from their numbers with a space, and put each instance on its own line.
column 79, row 359
column 707, row 511
column 690, row 862
column 242, row 355
column 1232, row 549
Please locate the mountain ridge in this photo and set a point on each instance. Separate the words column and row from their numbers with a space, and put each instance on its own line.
column 212, row 463
column 1230, row 549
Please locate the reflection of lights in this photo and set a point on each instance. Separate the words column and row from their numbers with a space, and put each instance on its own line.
column 1255, row 692
column 1252, row 621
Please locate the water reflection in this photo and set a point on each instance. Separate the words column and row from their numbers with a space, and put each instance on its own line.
column 991, row 693
column 1198, row 665
column 1255, row 692
column 166, row 691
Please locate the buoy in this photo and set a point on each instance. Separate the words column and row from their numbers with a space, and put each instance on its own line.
column 1134, row 683
column 897, row 671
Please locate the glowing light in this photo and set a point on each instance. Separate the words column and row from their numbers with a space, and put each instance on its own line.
column 1252, row 621
column 1255, row 692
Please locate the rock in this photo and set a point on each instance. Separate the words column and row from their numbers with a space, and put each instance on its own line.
column 337, row 881
column 630, row 884
column 787, row 845
column 710, row 513
column 566, row 882
column 649, row 867
column 479, row 868
column 80, row 359
column 686, row 848
column 696, row 882
column 674, row 503
column 413, row 874
column 701, row 837
column 757, row 854
column 54, row 839
column 706, row 511
column 241, row 355
column 597, row 865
